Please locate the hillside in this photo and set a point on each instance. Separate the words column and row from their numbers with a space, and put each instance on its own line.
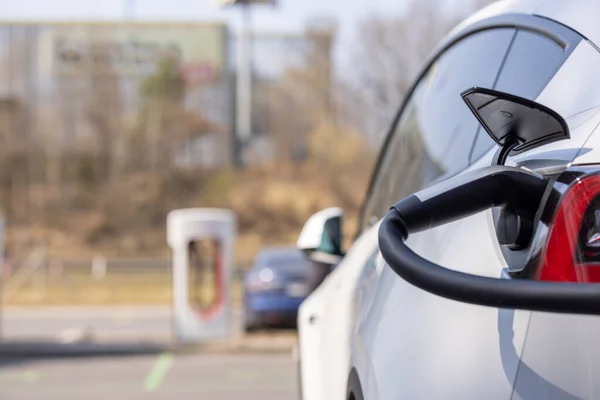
column 126, row 218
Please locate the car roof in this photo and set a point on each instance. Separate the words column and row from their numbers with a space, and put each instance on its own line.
column 579, row 15
column 278, row 251
column 284, row 259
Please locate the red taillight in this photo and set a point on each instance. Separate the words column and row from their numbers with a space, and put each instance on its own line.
column 570, row 254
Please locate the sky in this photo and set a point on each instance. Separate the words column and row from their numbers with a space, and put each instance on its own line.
column 288, row 15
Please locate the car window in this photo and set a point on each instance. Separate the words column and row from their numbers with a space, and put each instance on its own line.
column 435, row 133
column 277, row 259
column 293, row 267
column 531, row 62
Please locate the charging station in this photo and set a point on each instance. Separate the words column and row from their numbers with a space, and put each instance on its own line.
column 202, row 244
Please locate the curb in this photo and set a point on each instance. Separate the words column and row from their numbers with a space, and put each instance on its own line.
column 233, row 349
column 77, row 350
column 57, row 349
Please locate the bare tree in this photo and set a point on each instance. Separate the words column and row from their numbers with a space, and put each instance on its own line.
column 388, row 56
column 166, row 124
column 104, row 110
column 17, row 120
column 304, row 97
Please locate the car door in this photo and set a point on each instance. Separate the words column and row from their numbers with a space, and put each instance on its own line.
column 432, row 103
column 411, row 344
column 431, row 141
column 563, row 364
column 555, row 361
column 326, row 321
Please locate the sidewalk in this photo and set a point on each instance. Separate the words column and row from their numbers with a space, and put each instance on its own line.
column 119, row 330
column 259, row 343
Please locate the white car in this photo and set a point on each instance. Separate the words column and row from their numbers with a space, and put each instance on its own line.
column 475, row 274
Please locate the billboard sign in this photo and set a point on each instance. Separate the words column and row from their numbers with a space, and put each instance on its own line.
column 134, row 49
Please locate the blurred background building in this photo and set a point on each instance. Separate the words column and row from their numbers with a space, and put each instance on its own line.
column 89, row 109
column 107, row 124
column 115, row 112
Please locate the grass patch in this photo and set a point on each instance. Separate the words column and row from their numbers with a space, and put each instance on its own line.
column 113, row 289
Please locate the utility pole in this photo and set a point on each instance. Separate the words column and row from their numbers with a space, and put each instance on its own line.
column 243, row 81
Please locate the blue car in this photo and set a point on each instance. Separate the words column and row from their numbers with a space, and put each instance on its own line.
column 275, row 287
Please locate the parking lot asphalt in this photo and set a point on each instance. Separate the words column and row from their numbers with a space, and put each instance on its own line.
column 130, row 353
column 117, row 329
column 150, row 376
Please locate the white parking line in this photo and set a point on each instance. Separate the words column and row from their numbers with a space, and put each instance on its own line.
column 159, row 370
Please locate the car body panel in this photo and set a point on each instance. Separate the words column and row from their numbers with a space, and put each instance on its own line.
column 495, row 9
column 407, row 343
column 574, row 81
column 560, row 359
column 260, row 302
column 580, row 15
column 411, row 344
column 281, row 297
column 323, row 325
column 407, row 340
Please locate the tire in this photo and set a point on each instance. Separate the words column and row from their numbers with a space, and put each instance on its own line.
column 299, row 366
column 250, row 321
